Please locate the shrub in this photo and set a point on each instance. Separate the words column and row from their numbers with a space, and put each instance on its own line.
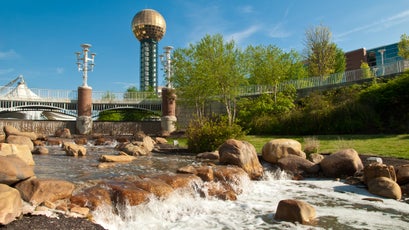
column 204, row 135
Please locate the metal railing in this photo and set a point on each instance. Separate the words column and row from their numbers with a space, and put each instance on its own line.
column 333, row 79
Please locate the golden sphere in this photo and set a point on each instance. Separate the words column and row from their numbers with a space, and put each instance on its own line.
column 148, row 24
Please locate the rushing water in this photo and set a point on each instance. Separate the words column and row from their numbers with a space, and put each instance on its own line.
column 338, row 206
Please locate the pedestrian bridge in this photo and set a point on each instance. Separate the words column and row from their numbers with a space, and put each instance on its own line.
column 62, row 104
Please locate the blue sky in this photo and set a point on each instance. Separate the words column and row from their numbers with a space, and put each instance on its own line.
column 38, row 38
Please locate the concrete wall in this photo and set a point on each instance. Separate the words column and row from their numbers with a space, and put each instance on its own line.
column 106, row 128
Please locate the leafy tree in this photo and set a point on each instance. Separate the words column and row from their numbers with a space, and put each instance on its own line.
column 321, row 52
column 108, row 96
column 403, row 46
column 131, row 93
column 210, row 69
column 340, row 61
column 269, row 65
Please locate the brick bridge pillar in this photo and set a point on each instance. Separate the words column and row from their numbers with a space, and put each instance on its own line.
column 168, row 121
column 84, row 110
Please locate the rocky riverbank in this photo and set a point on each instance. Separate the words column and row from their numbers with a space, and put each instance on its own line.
column 220, row 176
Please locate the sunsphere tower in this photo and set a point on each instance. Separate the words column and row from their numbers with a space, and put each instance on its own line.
column 149, row 28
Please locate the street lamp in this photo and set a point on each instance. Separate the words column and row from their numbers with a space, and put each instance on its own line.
column 85, row 63
column 381, row 51
column 167, row 64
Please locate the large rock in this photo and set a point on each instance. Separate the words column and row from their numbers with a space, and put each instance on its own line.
column 383, row 186
column 72, row 149
column 93, row 197
column 345, row 162
column 275, row 149
column 375, row 170
column 121, row 157
column 11, row 130
column 13, row 170
column 37, row 191
column 20, row 140
column 295, row 211
column 21, row 151
column 63, row 133
column 298, row 165
column 180, row 181
column 242, row 154
column 157, row 187
column 402, row 174
column 133, row 150
column 126, row 193
column 11, row 205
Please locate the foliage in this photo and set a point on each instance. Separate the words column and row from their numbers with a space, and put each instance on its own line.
column 208, row 134
column 403, row 46
column 258, row 115
column 269, row 65
column 127, row 115
column 209, row 70
column 108, row 96
column 366, row 71
column 130, row 93
column 322, row 55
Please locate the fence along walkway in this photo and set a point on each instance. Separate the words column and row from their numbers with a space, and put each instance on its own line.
column 333, row 79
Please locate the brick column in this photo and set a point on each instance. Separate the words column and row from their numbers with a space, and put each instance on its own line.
column 84, row 110
column 168, row 121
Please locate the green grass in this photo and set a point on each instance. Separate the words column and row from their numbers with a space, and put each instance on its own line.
column 378, row 145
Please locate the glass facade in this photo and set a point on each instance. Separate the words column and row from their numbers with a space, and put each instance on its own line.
column 383, row 55
column 148, row 66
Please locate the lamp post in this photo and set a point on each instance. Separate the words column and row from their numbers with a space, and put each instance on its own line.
column 381, row 51
column 167, row 64
column 84, row 106
column 85, row 63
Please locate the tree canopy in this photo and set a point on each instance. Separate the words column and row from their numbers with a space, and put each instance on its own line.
column 403, row 46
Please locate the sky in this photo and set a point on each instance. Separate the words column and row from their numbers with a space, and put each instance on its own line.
column 39, row 38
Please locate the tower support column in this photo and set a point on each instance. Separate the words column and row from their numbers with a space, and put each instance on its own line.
column 168, row 120
column 84, row 110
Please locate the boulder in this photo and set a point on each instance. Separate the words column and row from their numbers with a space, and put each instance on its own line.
column 121, row 157
column 93, row 197
column 230, row 174
column 40, row 150
column 63, row 133
column 275, row 149
column 81, row 141
column 402, row 174
column 295, row 211
column 345, row 162
column 375, row 170
column 315, row 158
column 11, row 205
column 385, row 187
column 298, row 165
column 72, row 149
column 242, row 154
column 13, row 170
column 161, row 140
column 133, row 150
column 20, row 140
column 222, row 191
column 208, row 155
column 179, row 181
column 146, row 143
column 21, row 151
column 36, row 191
column 204, row 172
column 157, row 187
column 126, row 193
column 11, row 130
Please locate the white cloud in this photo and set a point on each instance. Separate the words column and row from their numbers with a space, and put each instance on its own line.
column 10, row 54
column 378, row 25
column 278, row 31
column 239, row 36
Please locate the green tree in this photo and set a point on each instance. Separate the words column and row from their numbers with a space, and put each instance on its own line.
column 269, row 65
column 108, row 96
column 210, row 69
column 320, row 51
column 131, row 93
column 340, row 61
column 403, row 46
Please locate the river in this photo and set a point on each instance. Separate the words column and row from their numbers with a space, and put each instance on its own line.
column 338, row 205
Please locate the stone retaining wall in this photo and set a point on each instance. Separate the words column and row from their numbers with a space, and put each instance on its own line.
column 106, row 128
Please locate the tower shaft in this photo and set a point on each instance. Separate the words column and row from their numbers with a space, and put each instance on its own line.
column 148, row 65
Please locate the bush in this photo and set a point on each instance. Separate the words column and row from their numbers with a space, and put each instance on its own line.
column 204, row 135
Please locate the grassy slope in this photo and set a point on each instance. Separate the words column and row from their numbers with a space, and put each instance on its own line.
column 379, row 145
